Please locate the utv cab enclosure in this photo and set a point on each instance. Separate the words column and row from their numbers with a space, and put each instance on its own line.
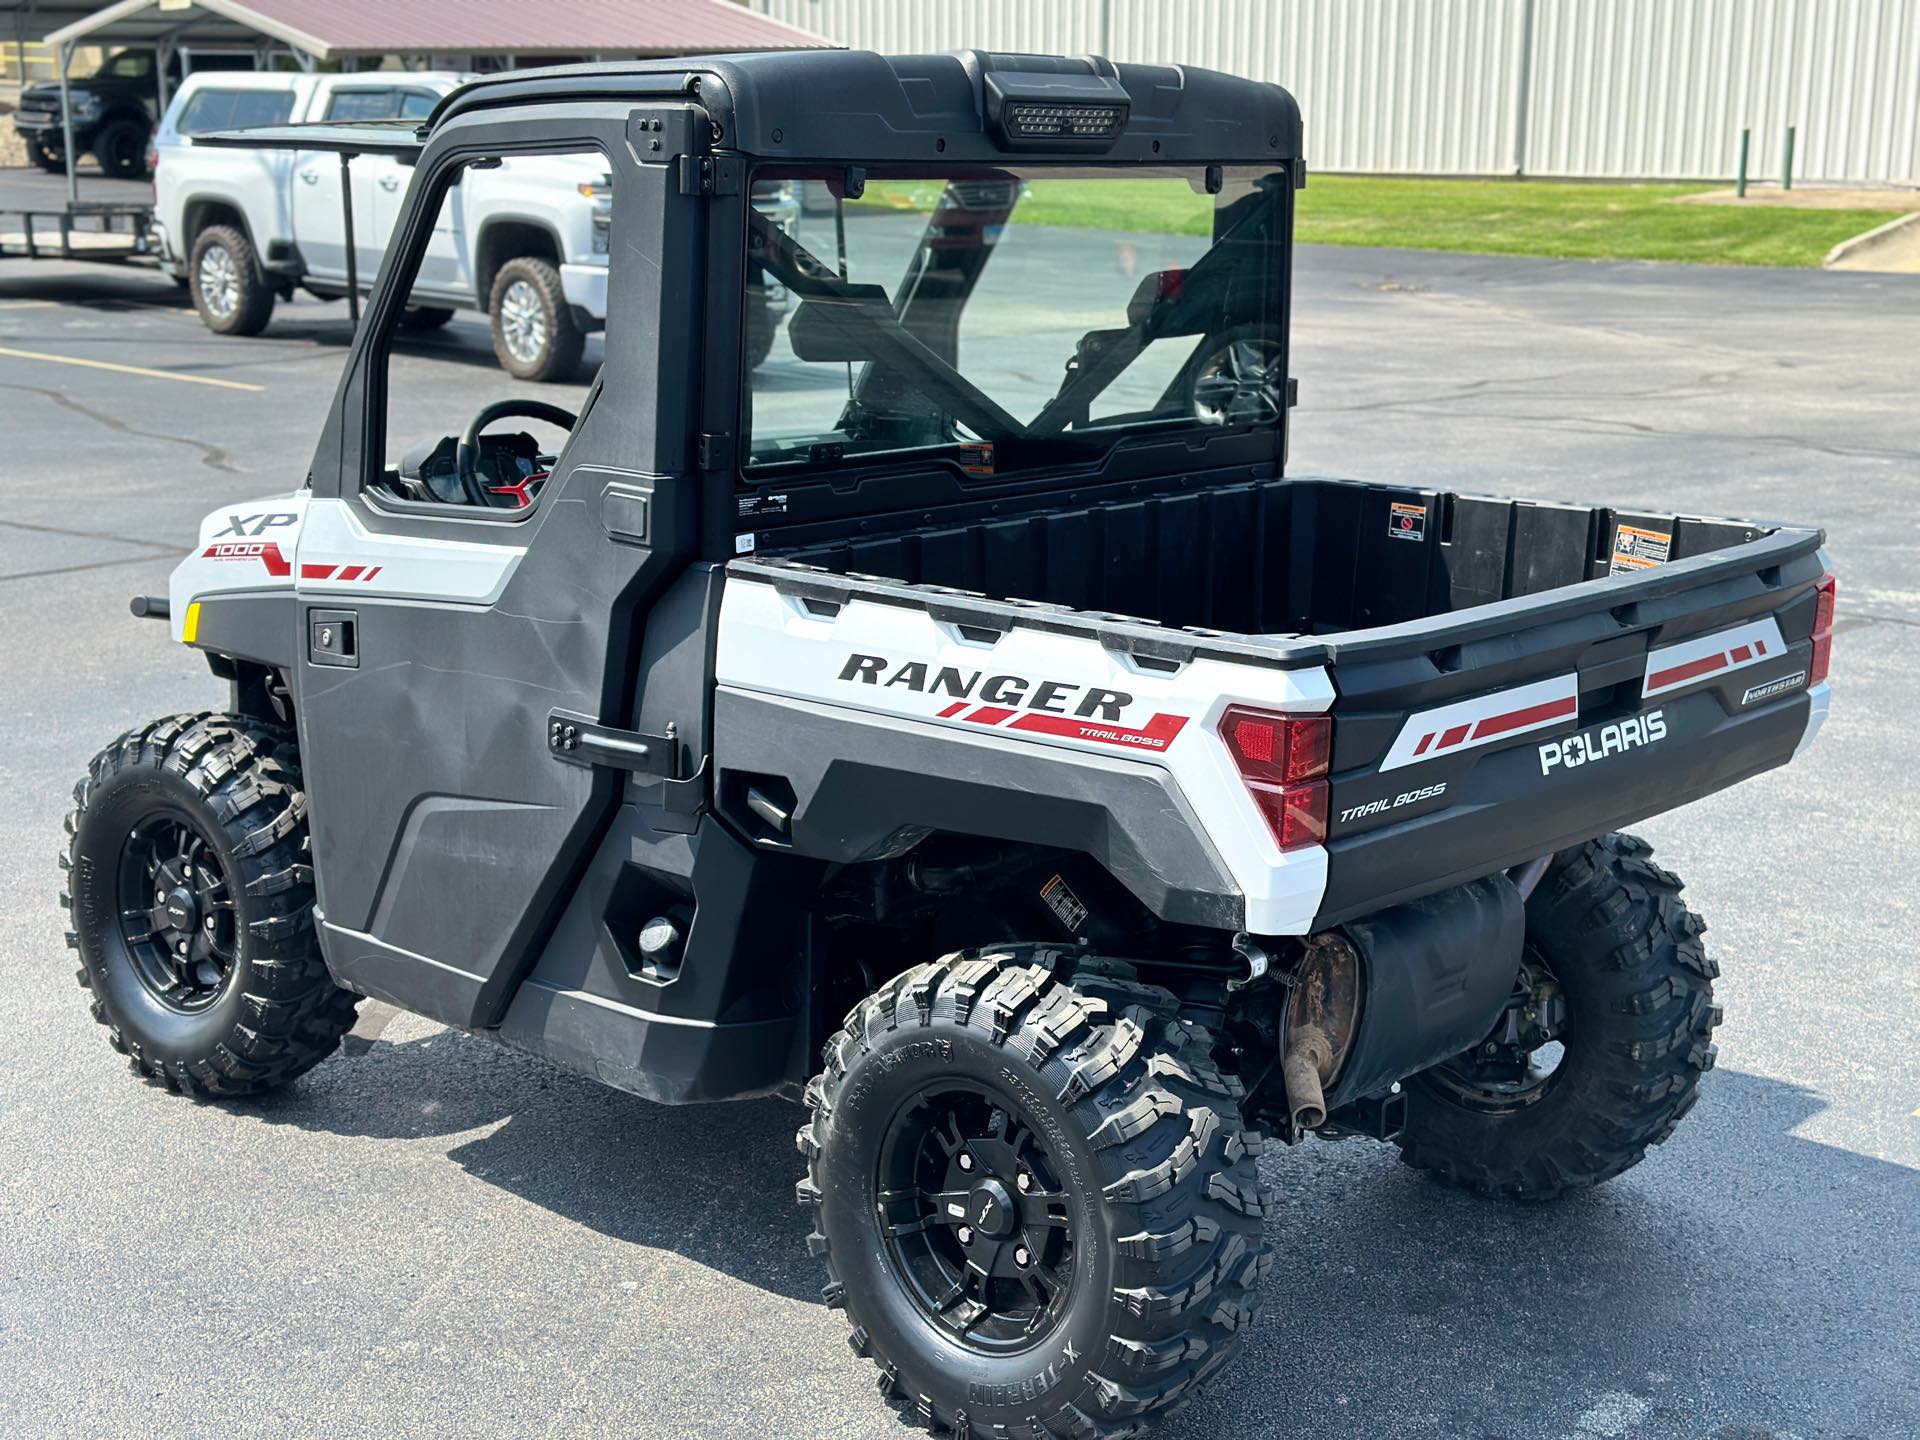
column 960, row 720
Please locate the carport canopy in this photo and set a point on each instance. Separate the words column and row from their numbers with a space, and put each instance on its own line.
column 349, row 30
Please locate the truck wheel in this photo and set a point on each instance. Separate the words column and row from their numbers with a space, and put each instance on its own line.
column 191, row 903
column 121, row 149
column 49, row 159
column 1601, row 1052
column 228, row 289
column 1035, row 1195
column 533, row 330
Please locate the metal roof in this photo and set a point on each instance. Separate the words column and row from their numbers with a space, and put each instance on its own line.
column 344, row 29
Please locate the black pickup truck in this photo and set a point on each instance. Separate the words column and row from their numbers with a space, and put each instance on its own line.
column 960, row 720
column 114, row 112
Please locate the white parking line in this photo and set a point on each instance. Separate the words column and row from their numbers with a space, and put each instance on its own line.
column 130, row 370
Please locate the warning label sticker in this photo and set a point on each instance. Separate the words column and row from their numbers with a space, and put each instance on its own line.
column 1637, row 549
column 977, row 459
column 1064, row 903
column 1407, row 522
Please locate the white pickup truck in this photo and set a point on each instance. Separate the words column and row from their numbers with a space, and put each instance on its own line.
column 526, row 241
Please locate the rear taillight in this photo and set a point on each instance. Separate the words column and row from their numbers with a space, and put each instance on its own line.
column 1822, row 629
column 1282, row 760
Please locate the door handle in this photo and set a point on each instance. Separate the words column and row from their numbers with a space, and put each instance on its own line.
column 389, row 182
column 312, row 177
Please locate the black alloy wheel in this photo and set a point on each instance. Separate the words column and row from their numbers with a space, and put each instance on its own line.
column 974, row 1218
column 177, row 913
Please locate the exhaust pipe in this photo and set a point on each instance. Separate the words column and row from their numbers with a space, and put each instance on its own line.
column 1309, row 1056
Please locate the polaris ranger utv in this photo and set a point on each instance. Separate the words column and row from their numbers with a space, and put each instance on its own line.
column 961, row 721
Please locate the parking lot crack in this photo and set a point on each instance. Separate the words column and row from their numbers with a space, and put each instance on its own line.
column 212, row 456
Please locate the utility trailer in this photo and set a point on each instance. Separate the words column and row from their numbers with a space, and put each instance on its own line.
column 96, row 230
column 961, row 722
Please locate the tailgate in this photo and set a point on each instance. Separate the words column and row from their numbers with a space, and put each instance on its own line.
column 1479, row 740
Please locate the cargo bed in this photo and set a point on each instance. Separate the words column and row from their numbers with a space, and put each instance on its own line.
column 1506, row 677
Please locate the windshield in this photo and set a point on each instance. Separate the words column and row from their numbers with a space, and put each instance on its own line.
column 1005, row 319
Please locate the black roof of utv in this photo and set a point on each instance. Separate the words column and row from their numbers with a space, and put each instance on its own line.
column 853, row 106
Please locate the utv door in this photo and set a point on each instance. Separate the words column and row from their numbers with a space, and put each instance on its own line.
column 444, row 642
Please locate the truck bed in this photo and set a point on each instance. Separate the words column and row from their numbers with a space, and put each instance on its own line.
column 1506, row 678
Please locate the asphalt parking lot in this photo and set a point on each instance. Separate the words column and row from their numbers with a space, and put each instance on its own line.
column 435, row 1236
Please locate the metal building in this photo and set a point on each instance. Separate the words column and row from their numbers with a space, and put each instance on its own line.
column 1631, row 89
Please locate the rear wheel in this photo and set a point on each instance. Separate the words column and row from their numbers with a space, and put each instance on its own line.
column 191, row 901
column 228, row 289
column 533, row 331
column 1600, row 1052
column 121, row 149
column 1035, row 1195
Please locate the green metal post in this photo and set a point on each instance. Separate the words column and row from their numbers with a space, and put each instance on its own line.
column 1746, row 137
column 1786, row 165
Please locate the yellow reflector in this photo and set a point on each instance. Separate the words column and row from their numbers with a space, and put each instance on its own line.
column 190, row 627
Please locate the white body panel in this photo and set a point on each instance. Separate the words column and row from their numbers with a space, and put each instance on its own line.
column 771, row 644
column 321, row 548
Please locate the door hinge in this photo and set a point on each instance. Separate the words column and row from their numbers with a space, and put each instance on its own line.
column 710, row 174
column 581, row 740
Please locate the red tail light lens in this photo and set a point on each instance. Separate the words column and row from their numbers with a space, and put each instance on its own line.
column 1280, row 748
column 1282, row 760
column 1826, row 591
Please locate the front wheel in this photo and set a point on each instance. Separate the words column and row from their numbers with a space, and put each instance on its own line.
column 1035, row 1195
column 1601, row 1049
column 191, row 903
column 48, row 157
column 534, row 335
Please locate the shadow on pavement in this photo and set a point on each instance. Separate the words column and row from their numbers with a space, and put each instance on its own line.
column 1686, row 1299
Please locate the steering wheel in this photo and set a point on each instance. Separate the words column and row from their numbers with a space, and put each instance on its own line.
column 466, row 452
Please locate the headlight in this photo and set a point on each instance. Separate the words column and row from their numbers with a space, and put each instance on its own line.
column 86, row 103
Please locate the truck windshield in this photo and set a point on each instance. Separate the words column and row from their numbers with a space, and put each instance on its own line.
column 1006, row 319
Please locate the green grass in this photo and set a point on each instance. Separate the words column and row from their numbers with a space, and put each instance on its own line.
column 1505, row 217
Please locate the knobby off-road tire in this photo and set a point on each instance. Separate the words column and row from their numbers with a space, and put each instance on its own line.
column 273, row 1011
column 1610, row 927
column 1159, row 1259
column 223, row 276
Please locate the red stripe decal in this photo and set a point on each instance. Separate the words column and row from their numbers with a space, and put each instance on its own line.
column 1692, row 670
column 1454, row 736
column 1425, row 741
column 1521, row 719
column 315, row 572
column 371, row 573
column 1157, row 734
column 1742, row 653
column 1759, row 647
column 953, row 709
column 351, row 572
column 989, row 715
